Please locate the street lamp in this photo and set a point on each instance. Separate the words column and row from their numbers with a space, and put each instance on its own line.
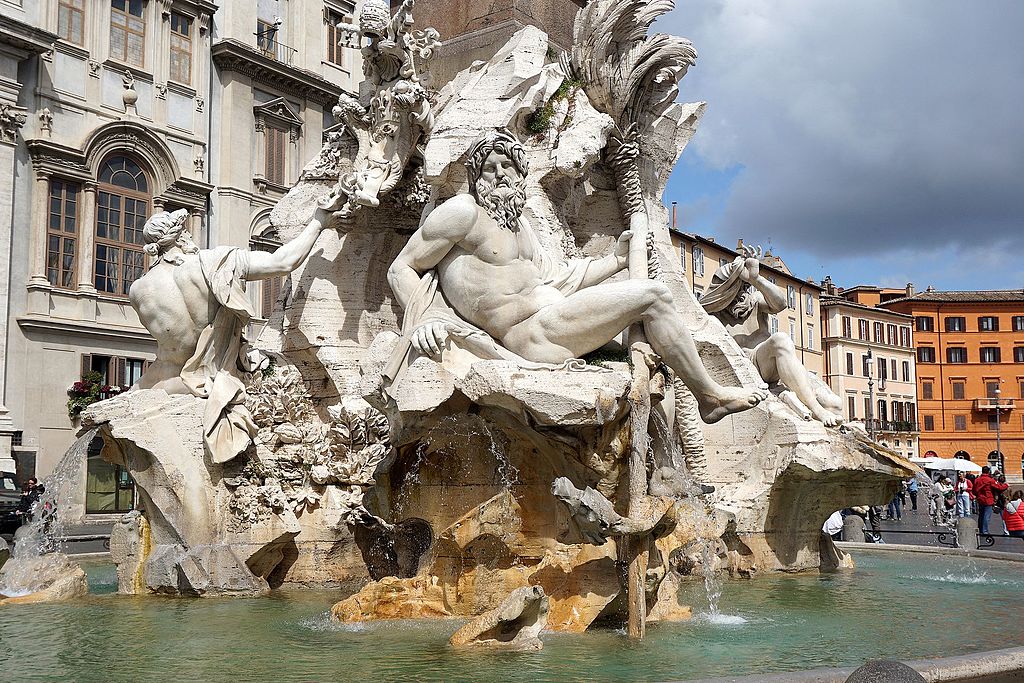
column 999, row 450
column 870, row 360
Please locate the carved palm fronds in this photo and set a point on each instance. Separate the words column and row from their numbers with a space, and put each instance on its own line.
column 629, row 75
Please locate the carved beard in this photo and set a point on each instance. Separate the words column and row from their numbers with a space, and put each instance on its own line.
column 505, row 210
column 743, row 305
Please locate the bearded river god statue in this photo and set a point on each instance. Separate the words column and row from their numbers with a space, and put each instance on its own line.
column 194, row 304
column 741, row 298
column 475, row 268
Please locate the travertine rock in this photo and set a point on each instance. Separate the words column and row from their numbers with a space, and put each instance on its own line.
column 514, row 625
column 394, row 598
column 54, row 578
column 5, row 552
column 129, row 547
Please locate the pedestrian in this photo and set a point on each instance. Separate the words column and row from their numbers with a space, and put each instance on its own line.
column 912, row 492
column 895, row 508
column 1013, row 515
column 833, row 526
column 985, row 490
column 29, row 495
column 963, row 490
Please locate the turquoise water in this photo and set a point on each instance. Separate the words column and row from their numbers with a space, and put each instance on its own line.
column 892, row 605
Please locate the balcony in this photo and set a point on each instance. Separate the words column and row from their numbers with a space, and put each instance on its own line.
column 986, row 404
column 271, row 47
column 895, row 426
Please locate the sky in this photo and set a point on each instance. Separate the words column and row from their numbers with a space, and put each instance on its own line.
column 877, row 141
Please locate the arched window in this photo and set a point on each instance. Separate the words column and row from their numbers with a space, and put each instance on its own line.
column 962, row 455
column 122, row 207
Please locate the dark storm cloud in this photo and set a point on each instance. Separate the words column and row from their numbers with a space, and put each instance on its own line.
column 862, row 125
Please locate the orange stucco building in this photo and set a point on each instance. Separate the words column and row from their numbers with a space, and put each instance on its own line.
column 970, row 373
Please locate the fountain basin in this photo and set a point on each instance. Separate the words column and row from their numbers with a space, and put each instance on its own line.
column 902, row 605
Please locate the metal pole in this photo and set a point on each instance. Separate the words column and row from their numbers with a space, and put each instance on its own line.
column 871, row 396
column 999, row 449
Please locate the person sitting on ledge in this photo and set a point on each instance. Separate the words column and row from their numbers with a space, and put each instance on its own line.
column 194, row 304
column 492, row 270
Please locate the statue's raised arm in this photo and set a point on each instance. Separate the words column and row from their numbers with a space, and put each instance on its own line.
column 194, row 304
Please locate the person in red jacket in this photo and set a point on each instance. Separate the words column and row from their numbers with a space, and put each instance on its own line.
column 1013, row 515
column 985, row 490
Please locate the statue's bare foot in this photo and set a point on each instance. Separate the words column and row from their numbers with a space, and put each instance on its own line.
column 828, row 418
column 729, row 400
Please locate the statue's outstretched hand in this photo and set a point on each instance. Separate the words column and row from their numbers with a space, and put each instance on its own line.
column 751, row 267
column 429, row 339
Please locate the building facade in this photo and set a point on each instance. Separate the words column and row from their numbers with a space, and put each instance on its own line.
column 701, row 256
column 869, row 362
column 970, row 374
column 118, row 109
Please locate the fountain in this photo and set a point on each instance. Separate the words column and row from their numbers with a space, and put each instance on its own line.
column 383, row 444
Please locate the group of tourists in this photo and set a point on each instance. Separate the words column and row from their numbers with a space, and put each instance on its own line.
column 982, row 495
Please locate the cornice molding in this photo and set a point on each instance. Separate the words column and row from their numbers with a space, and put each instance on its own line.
column 232, row 55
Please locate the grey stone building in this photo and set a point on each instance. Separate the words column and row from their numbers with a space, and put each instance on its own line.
column 111, row 110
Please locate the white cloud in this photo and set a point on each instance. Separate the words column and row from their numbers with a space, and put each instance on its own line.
column 862, row 126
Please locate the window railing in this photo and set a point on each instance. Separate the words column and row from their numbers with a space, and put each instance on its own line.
column 271, row 47
column 892, row 425
column 993, row 403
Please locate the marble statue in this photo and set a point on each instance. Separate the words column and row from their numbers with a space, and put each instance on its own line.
column 477, row 254
column 741, row 298
column 193, row 302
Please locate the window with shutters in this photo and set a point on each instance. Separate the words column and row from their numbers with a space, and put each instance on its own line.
column 791, row 296
column 847, row 327
column 277, row 145
column 1018, row 354
column 956, row 355
column 925, row 323
column 959, row 391
column 128, row 32
column 809, row 304
column 849, row 364
column 1018, row 323
column 925, row 354
column 879, row 330
column 906, row 371
column 960, row 423
column 927, row 391
column 956, row 324
column 682, row 257
column 810, row 337
column 929, row 423
column 892, row 368
column 71, row 21
column 891, row 336
column 698, row 262
column 905, row 337
column 863, row 327
column 991, row 388
column 990, row 354
column 988, row 323
column 62, row 234
column 851, row 407
column 181, row 48
column 865, row 366
column 122, row 206
column 335, row 51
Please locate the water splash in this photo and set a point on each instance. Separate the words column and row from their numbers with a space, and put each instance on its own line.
column 410, row 481
column 38, row 553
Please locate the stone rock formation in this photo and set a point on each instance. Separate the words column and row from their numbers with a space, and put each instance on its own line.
column 54, row 578
column 515, row 624
column 5, row 552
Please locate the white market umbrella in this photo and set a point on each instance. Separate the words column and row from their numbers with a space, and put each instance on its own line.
column 954, row 464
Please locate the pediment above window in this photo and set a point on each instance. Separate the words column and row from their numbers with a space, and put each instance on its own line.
column 279, row 111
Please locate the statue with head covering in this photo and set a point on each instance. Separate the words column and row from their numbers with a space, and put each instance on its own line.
column 193, row 302
column 742, row 299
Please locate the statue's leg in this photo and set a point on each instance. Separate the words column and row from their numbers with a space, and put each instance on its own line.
column 589, row 318
column 776, row 360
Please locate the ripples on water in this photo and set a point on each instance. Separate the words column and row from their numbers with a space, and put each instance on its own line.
column 891, row 606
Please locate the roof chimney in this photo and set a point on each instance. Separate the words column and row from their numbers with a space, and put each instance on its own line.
column 930, row 288
column 739, row 244
column 910, row 289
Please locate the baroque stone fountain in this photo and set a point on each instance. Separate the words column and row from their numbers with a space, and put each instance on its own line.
column 487, row 390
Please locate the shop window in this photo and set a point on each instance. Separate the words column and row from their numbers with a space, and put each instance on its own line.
column 109, row 488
